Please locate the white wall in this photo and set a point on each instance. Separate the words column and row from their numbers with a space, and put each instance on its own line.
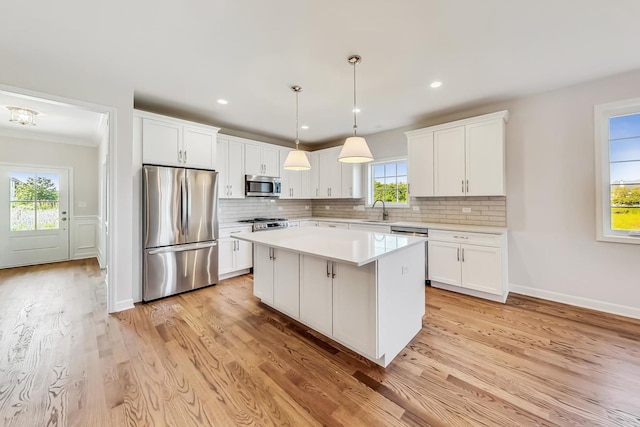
column 551, row 197
column 83, row 160
column 69, row 82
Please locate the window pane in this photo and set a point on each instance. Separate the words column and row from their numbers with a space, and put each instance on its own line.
column 624, row 149
column 625, row 218
column 47, row 187
column 402, row 168
column 624, row 126
column 48, row 215
column 390, row 190
column 378, row 189
column 623, row 173
column 378, row 171
column 403, row 194
column 390, row 169
column 22, row 186
column 23, row 216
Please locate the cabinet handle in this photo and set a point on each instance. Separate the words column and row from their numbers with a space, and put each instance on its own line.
column 462, row 183
column 328, row 274
column 185, row 156
column 458, row 254
column 316, row 192
column 179, row 156
column 270, row 256
column 462, row 254
column 274, row 254
column 333, row 270
column 351, row 191
column 467, row 186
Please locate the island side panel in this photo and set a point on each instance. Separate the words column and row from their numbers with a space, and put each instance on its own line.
column 401, row 302
column 262, row 273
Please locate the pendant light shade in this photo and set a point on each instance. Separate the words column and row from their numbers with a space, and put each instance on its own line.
column 296, row 159
column 355, row 148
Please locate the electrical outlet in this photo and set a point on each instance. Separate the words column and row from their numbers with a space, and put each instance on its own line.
column 279, row 208
column 361, row 207
column 466, row 210
column 306, row 208
column 405, row 269
column 327, row 207
column 416, row 208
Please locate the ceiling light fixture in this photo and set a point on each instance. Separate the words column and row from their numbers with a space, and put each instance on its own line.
column 355, row 148
column 223, row 101
column 355, row 110
column 296, row 159
column 305, row 127
column 22, row 116
column 436, row 84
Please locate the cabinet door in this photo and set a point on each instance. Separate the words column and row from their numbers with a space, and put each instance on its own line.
column 285, row 176
column 271, row 161
column 198, row 147
column 482, row 268
column 444, row 262
column 226, row 255
column 244, row 255
column 314, row 175
column 420, row 157
column 263, row 277
column 253, row 160
column 286, row 282
column 449, row 161
column 330, row 171
column 355, row 306
column 485, row 167
column 235, row 175
column 305, row 185
column 316, row 294
column 351, row 181
column 222, row 166
column 161, row 143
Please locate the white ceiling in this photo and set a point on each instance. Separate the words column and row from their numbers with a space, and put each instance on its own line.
column 184, row 55
column 55, row 122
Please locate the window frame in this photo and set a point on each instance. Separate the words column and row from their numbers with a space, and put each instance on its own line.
column 602, row 114
column 369, row 176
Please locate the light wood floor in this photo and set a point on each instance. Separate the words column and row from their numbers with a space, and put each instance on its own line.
column 219, row 357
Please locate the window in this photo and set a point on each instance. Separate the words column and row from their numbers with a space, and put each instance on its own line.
column 618, row 171
column 34, row 200
column 388, row 182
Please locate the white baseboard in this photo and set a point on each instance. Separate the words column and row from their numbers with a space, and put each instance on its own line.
column 471, row 292
column 123, row 305
column 621, row 310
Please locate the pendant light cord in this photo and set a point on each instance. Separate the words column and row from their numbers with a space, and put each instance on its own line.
column 297, row 127
column 355, row 120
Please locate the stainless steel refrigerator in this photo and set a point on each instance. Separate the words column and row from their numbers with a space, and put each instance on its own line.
column 180, row 230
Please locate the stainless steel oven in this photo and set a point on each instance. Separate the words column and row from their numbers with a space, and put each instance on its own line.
column 262, row 186
column 419, row 232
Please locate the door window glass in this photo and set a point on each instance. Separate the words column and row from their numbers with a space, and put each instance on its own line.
column 34, row 201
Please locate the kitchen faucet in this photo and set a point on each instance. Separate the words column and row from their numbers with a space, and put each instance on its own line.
column 385, row 213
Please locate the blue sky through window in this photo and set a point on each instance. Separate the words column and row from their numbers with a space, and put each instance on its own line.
column 624, row 148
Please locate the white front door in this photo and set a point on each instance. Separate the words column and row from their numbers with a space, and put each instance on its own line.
column 34, row 215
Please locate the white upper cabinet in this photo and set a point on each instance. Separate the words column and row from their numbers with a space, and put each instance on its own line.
column 314, row 174
column 420, row 156
column 330, row 171
column 230, row 169
column 173, row 142
column 462, row 158
column 351, row 180
column 448, row 154
column 262, row 160
column 295, row 184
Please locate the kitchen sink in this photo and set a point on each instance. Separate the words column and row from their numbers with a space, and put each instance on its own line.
column 379, row 221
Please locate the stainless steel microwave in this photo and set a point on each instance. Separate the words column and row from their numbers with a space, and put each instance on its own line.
column 262, row 186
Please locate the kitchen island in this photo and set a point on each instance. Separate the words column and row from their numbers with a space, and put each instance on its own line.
column 362, row 289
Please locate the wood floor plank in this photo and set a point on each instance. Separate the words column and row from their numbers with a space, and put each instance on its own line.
column 219, row 357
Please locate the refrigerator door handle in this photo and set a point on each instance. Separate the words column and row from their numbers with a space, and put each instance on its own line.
column 183, row 207
column 182, row 248
column 188, row 203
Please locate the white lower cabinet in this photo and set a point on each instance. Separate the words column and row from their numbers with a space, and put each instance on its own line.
column 276, row 279
column 469, row 261
column 371, row 227
column 308, row 223
column 339, row 300
column 234, row 256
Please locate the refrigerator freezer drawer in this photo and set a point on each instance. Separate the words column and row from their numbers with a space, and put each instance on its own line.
column 176, row 269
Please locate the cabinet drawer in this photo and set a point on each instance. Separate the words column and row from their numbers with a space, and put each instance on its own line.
column 333, row 224
column 227, row 232
column 484, row 239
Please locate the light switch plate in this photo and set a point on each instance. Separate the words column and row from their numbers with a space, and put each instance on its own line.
column 466, row 210
column 279, row 208
column 327, row 207
column 416, row 208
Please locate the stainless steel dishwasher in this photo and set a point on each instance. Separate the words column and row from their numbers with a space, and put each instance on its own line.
column 418, row 232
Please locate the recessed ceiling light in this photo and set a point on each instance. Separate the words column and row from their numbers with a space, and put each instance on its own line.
column 436, row 84
column 304, row 127
column 223, row 101
column 355, row 110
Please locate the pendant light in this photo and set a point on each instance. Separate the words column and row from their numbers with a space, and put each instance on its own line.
column 297, row 159
column 355, row 148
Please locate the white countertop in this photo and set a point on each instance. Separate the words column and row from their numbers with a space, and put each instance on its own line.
column 348, row 246
column 429, row 225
